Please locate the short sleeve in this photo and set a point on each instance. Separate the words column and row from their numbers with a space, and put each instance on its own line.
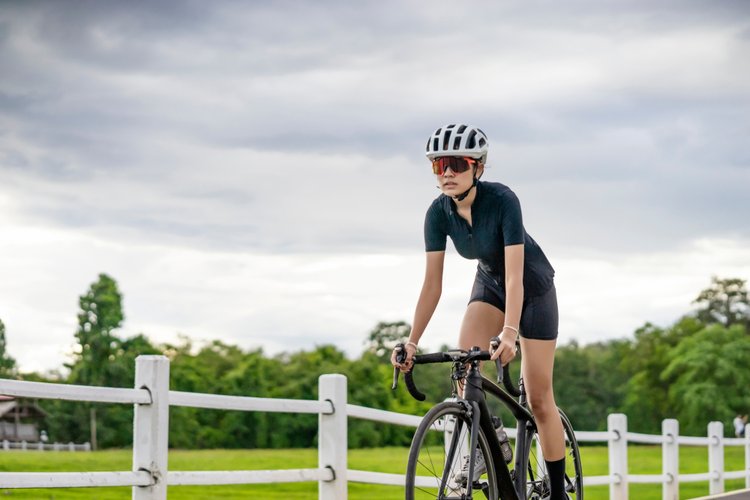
column 435, row 235
column 511, row 220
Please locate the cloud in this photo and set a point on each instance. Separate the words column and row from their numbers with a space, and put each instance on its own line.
column 223, row 131
column 290, row 301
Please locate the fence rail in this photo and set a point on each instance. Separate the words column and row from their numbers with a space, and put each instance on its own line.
column 152, row 398
column 73, row 479
column 45, row 390
column 244, row 403
column 42, row 446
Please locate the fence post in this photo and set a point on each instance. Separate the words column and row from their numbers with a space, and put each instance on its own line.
column 151, row 426
column 332, row 437
column 747, row 456
column 670, row 449
column 716, row 457
column 617, row 425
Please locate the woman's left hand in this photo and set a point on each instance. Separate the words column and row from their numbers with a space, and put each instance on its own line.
column 506, row 351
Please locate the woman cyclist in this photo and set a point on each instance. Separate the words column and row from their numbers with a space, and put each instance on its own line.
column 513, row 290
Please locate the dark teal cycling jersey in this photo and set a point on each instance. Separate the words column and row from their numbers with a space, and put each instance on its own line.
column 496, row 223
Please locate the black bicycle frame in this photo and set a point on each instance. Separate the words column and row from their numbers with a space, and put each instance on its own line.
column 524, row 423
column 474, row 392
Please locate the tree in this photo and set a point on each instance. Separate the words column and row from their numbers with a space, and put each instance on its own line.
column 7, row 364
column 707, row 377
column 100, row 315
column 643, row 361
column 590, row 381
column 220, row 368
column 384, row 337
column 726, row 302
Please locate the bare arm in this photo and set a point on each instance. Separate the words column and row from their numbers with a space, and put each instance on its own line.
column 432, row 288
column 513, row 284
column 513, row 302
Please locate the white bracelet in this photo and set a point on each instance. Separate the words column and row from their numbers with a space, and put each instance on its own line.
column 511, row 328
column 412, row 344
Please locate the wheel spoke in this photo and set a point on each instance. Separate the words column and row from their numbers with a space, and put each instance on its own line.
column 432, row 461
column 537, row 481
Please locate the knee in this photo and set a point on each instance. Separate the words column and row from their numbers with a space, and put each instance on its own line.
column 543, row 405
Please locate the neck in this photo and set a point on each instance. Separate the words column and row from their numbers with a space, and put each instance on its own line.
column 467, row 202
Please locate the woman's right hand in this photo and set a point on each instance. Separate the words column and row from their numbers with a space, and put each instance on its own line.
column 410, row 350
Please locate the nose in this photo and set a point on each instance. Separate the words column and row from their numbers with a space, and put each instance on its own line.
column 448, row 169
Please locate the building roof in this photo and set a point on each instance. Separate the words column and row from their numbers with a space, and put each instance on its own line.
column 26, row 409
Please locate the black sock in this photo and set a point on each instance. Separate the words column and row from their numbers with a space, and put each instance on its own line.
column 556, row 471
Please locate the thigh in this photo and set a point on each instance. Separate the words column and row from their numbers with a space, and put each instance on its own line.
column 482, row 321
column 540, row 316
column 538, row 359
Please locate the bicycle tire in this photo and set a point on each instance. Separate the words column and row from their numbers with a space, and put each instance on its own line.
column 437, row 438
column 535, row 471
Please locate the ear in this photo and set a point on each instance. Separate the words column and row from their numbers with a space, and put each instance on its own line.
column 479, row 170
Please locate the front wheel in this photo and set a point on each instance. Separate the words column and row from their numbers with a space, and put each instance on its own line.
column 437, row 454
column 535, row 472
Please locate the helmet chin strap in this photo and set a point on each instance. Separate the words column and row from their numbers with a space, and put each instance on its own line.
column 463, row 195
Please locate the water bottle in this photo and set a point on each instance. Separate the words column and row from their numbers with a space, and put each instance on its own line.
column 502, row 436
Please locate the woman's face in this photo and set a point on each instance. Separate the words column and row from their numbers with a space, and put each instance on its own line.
column 453, row 184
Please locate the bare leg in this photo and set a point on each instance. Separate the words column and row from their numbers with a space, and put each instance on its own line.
column 481, row 322
column 538, row 361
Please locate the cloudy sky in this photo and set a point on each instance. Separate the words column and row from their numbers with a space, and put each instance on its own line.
column 254, row 171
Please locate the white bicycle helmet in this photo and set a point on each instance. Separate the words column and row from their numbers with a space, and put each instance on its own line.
column 458, row 140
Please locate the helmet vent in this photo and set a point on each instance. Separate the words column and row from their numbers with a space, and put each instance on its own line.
column 471, row 141
column 446, row 137
column 458, row 139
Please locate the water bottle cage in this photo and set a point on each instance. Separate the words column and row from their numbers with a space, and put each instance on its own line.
column 496, row 422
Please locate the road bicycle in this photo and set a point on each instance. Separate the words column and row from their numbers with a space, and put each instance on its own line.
column 451, row 428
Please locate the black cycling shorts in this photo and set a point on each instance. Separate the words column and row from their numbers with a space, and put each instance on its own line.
column 539, row 315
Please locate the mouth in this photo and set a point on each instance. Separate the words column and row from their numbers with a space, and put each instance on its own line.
column 449, row 184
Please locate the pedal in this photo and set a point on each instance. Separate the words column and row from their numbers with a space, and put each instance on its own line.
column 484, row 488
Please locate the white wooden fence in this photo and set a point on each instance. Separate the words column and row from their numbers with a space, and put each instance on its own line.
column 618, row 437
column 42, row 446
column 152, row 398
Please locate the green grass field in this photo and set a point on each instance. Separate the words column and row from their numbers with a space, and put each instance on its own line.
column 642, row 460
